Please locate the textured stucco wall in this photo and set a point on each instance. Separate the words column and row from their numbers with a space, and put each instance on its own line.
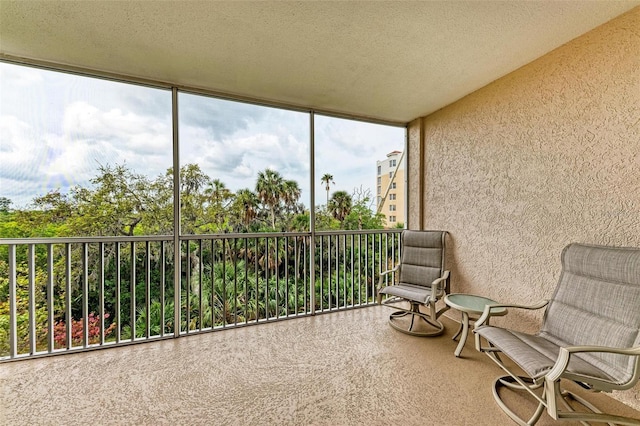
column 548, row 155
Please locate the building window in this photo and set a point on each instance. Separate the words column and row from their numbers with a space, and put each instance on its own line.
column 393, row 185
column 392, row 163
column 392, row 197
column 379, row 190
column 391, row 174
column 392, row 218
column 379, row 200
column 392, row 207
column 379, row 170
column 379, row 180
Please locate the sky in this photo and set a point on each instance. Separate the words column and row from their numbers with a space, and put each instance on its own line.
column 57, row 129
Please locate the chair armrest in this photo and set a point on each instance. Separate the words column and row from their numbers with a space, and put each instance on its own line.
column 487, row 310
column 382, row 274
column 382, row 284
column 565, row 354
column 437, row 283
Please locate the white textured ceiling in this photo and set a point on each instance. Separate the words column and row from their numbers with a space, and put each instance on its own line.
column 393, row 61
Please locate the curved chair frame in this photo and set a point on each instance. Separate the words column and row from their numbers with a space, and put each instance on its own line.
column 427, row 296
column 554, row 399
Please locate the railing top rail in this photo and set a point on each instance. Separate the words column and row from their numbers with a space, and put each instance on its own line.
column 241, row 235
column 144, row 238
column 361, row 232
column 81, row 240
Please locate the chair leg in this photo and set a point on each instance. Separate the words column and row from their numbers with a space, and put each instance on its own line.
column 595, row 415
column 416, row 313
column 510, row 383
column 570, row 414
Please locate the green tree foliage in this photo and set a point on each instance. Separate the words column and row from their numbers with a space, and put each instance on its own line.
column 5, row 205
column 361, row 215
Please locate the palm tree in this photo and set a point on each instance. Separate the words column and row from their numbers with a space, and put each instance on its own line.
column 269, row 188
column 291, row 195
column 327, row 178
column 219, row 195
column 246, row 206
column 340, row 205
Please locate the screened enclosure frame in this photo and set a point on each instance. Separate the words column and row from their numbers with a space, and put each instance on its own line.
column 177, row 239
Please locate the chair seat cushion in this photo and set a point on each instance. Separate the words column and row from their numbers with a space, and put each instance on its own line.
column 537, row 362
column 415, row 293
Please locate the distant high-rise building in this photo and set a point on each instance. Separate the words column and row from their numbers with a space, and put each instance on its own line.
column 390, row 191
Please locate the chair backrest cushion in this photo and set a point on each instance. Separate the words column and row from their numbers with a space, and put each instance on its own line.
column 597, row 302
column 422, row 257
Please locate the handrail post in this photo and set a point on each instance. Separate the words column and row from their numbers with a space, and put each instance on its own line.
column 312, row 216
column 13, row 329
column 177, row 248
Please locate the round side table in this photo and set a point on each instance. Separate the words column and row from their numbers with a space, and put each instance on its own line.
column 469, row 304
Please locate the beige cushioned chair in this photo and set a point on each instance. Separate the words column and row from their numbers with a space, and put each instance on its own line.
column 421, row 281
column 590, row 335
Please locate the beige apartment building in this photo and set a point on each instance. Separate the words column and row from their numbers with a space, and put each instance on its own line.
column 390, row 189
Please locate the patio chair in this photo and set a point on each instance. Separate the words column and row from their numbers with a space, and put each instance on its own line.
column 421, row 281
column 590, row 335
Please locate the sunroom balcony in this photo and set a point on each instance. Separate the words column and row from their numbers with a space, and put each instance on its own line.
column 518, row 142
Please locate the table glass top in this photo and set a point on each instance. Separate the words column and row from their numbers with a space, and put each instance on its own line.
column 472, row 303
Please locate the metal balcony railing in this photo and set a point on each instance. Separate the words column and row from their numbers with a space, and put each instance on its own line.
column 59, row 295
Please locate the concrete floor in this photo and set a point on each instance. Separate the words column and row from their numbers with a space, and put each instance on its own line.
column 344, row 368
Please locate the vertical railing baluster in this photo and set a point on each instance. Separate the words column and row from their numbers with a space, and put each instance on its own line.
column 246, row 282
column 132, row 289
column 277, row 272
column 295, row 275
column 385, row 255
column 359, row 269
column 213, row 283
column 163, row 283
column 68, row 317
column 224, row 282
column 286, row 275
column 380, row 267
column 344, row 269
column 352, row 243
column 85, row 295
column 31, row 264
column 337, row 295
column 255, row 274
column 329, row 270
column 200, row 286
column 147, row 289
column 118, row 280
column 393, row 255
column 307, row 242
column 101, row 291
column 337, row 285
column 118, row 272
column 321, row 261
column 50, row 295
column 13, row 312
column 235, row 281
column 370, row 287
column 266, row 273
column 188, row 284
